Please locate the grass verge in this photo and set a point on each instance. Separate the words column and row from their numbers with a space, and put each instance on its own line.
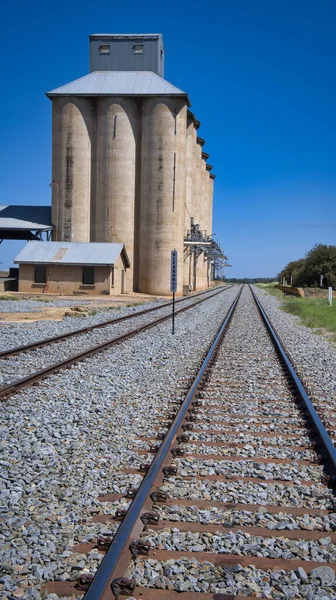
column 313, row 312
column 9, row 298
column 270, row 289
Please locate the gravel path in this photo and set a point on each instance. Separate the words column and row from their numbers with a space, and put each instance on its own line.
column 64, row 441
column 17, row 334
column 22, row 305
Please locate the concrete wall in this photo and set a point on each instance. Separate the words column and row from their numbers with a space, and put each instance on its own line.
column 65, row 280
column 131, row 171
column 162, row 192
column 113, row 197
column 72, row 134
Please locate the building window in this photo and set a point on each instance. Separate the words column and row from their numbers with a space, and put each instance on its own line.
column 138, row 48
column 88, row 276
column 112, row 276
column 104, row 49
column 40, row 274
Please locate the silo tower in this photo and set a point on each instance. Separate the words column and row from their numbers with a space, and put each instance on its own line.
column 125, row 158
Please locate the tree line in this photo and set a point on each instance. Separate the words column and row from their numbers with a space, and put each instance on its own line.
column 306, row 272
column 249, row 279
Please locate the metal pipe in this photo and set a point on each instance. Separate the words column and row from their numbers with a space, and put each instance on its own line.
column 57, row 207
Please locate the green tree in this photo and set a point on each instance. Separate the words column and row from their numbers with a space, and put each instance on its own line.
column 320, row 260
column 292, row 270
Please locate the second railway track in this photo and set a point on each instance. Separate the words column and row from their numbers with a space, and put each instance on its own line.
column 32, row 359
column 238, row 500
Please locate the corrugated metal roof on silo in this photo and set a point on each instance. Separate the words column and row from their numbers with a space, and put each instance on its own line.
column 119, row 83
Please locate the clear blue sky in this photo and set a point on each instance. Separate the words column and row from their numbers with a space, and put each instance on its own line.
column 261, row 78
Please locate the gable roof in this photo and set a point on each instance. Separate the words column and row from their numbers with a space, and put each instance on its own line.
column 119, row 83
column 72, row 253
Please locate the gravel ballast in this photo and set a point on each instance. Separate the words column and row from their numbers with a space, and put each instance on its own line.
column 313, row 357
column 188, row 574
column 261, row 518
column 242, row 544
column 67, row 441
column 18, row 333
column 64, row 441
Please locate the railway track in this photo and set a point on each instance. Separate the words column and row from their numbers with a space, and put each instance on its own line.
column 57, row 338
column 28, row 353
column 238, row 500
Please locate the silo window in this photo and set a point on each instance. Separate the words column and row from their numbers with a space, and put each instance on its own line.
column 88, row 276
column 138, row 48
column 104, row 49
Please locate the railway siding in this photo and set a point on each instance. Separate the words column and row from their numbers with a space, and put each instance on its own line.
column 23, row 361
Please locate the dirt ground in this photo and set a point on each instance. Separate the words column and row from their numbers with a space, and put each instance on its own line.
column 78, row 307
column 317, row 293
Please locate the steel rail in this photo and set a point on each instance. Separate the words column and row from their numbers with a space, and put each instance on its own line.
column 62, row 336
column 316, row 422
column 111, row 566
column 10, row 388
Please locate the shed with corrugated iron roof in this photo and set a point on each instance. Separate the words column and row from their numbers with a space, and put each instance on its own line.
column 73, row 268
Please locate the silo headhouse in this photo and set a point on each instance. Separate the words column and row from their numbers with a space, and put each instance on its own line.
column 129, row 167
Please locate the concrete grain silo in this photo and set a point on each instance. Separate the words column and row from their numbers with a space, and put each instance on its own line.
column 72, row 134
column 162, row 192
column 128, row 166
column 114, row 179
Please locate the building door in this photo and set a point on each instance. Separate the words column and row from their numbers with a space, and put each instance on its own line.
column 123, row 281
